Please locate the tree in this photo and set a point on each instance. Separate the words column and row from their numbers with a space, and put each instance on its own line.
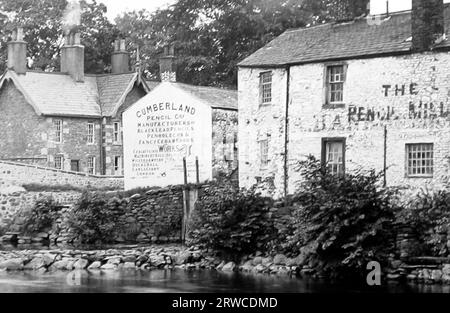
column 213, row 36
column 42, row 23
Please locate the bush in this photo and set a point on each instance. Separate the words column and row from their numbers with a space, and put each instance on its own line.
column 41, row 217
column 94, row 218
column 231, row 222
column 427, row 214
column 348, row 220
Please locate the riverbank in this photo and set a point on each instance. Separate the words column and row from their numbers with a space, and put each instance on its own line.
column 139, row 258
column 177, row 257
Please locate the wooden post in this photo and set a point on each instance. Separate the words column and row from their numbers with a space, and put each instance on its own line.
column 185, row 171
column 186, row 208
column 197, row 170
column 385, row 157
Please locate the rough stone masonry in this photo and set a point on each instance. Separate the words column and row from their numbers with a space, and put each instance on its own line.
column 409, row 95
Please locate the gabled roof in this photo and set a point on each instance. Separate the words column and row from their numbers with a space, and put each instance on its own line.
column 370, row 36
column 58, row 94
column 217, row 98
column 113, row 90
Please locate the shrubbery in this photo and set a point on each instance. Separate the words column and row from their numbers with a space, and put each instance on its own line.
column 94, row 218
column 347, row 220
column 427, row 214
column 41, row 216
column 232, row 222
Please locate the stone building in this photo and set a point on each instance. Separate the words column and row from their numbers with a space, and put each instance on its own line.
column 370, row 93
column 72, row 121
column 224, row 105
column 67, row 120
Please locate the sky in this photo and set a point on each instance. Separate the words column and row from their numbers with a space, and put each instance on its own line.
column 115, row 7
column 379, row 6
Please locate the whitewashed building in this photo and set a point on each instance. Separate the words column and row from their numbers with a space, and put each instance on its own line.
column 370, row 93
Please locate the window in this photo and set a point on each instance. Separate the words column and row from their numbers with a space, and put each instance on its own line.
column 90, row 135
column 59, row 162
column 91, row 165
column 118, row 165
column 116, row 132
column 333, row 155
column 264, row 152
column 335, row 84
column 58, row 125
column 265, row 83
column 419, row 160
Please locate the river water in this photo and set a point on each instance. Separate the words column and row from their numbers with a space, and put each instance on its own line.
column 184, row 281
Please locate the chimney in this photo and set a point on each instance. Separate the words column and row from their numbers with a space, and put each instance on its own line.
column 427, row 18
column 72, row 57
column 120, row 59
column 167, row 65
column 17, row 52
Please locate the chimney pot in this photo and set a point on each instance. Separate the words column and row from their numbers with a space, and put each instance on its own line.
column 167, row 65
column 72, row 57
column 120, row 59
column 116, row 45
column 17, row 52
column 123, row 45
column 77, row 39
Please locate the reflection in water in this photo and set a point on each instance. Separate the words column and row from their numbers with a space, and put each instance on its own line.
column 181, row 281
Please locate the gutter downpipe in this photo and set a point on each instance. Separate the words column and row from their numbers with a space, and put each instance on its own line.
column 286, row 135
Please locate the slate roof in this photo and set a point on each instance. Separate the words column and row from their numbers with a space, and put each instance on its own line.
column 337, row 41
column 217, row 98
column 58, row 94
column 111, row 89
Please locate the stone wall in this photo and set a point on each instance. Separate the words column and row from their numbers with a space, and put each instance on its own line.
column 16, row 200
column 115, row 149
column 225, row 141
column 17, row 174
column 28, row 135
column 409, row 95
column 154, row 216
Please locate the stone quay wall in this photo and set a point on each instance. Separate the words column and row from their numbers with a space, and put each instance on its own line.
column 18, row 174
column 154, row 216
column 13, row 202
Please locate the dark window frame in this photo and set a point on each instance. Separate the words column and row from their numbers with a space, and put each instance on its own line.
column 327, row 140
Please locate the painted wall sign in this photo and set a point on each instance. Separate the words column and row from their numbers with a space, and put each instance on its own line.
column 400, row 90
column 415, row 111
column 159, row 130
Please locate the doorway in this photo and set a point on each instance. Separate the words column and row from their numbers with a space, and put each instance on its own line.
column 75, row 165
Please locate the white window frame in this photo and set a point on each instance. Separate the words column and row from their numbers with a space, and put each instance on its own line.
column 61, row 165
column 58, row 127
column 337, row 79
column 334, row 163
column 419, row 160
column 263, row 148
column 90, row 136
column 265, row 88
column 91, row 169
column 116, row 133
column 118, row 168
